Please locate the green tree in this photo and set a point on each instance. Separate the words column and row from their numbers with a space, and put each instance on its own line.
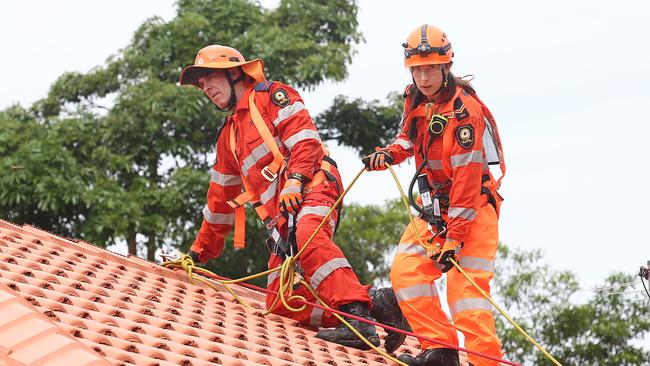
column 607, row 329
column 361, row 125
column 48, row 176
column 134, row 169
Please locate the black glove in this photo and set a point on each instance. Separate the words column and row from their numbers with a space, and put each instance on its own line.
column 377, row 160
column 449, row 251
column 195, row 257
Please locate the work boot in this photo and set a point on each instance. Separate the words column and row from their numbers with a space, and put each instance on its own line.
column 432, row 357
column 343, row 335
column 386, row 310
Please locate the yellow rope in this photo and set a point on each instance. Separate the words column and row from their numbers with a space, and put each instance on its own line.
column 512, row 321
column 332, row 209
column 286, row 277
column 486, row 295
column 406, row 206
column 313, row 292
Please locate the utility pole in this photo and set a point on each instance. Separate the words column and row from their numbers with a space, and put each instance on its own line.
column 644, row 273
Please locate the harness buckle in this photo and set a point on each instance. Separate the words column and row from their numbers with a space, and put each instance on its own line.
column 268, row 174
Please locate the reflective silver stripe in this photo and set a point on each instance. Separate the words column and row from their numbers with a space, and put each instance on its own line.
column 318, row 211
column 272, row 277
column 316, row 318
column 489, row 143
column 326, row 269
column 267, row 195
column 464, row 212
column 218, row 218
column 225, row 179
column 254, row 156
column 470, row 304
column 287, row 112
column 259, row 152
column 411, row 292
column 415, row 248
column 300, row 136
column 407, row 145
column 290, row 189
column 464, row 159
column 435, row 164
column 411, row 248
column 333, row 225
column 313, row 210
column 480, row 264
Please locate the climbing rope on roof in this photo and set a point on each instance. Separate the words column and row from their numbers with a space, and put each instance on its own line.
column 288, row 277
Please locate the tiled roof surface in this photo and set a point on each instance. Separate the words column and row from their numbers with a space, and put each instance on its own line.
column 71, row 303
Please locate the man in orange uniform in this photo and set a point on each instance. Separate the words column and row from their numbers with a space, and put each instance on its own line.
column 268, row 122
column 453, row 137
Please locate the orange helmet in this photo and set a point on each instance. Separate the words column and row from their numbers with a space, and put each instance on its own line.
column 427, row 45
column 220, row 57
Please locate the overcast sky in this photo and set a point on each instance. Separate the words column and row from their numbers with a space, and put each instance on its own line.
column 566, row 80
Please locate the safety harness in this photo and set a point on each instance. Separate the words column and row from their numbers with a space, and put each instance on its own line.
column 270, row 173
column 432, row 197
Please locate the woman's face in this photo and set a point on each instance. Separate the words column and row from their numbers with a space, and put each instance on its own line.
column 428, row 78
column 216, row 87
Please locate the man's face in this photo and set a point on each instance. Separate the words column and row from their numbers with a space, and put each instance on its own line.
column 215, row 85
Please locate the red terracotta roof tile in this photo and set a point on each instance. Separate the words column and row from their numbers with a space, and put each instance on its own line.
column 29, row 338
column 73, row 301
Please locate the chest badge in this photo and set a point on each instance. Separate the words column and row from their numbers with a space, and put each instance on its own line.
column 280, row 98
column 465, row 136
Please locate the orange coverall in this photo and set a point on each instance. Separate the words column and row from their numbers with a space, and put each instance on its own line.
column 462, row 170
column 324, row 265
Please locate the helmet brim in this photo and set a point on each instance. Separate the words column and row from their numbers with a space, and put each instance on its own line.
column 191, row 74
column 419, row 60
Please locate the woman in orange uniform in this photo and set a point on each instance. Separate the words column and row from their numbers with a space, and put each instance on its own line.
column 454, row 138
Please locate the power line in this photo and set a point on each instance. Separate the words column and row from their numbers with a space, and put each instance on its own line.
column 614, row 286
column 622, row 292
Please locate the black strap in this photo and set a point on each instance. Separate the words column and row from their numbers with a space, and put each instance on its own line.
column 330, row 160
column 274, row 242
column 491, row 199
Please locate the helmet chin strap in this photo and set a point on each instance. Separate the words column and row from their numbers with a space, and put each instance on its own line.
column 232, row 82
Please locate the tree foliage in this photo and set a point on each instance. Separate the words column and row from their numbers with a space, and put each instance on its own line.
column 607, row 329
column 120, row 153
column 361, row 125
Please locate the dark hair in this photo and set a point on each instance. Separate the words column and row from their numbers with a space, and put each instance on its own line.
column 453, row 81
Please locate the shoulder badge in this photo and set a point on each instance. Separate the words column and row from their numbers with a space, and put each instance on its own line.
column 465, row 136
column 280, row 97
column 460, row 112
